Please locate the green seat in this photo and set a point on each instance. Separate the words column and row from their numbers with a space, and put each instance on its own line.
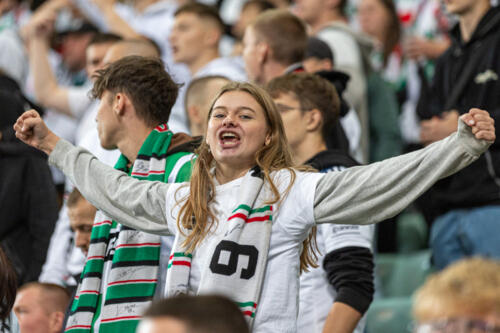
column 411, row 232
column 399, row 275
column 391, row 315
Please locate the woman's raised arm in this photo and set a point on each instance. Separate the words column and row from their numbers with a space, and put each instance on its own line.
column 373, row 193
column 135, row 203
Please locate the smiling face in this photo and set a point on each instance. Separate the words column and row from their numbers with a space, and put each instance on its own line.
column 237, row 129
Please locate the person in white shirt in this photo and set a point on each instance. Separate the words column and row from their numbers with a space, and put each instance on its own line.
column 195, row 37
column 244, row 219
column 333, row 297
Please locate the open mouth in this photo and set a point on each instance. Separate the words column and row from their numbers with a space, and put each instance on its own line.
column 229, row 139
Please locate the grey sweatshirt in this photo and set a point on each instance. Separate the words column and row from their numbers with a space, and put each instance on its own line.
column 358, row 195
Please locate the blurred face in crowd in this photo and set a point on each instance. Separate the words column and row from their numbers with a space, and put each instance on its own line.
column 94, row 56
column 160, row 325
column 460, row 7
column 373, row 17
column 6, row 6
column 237, row 129
column 190, row 37
column 293, row 118
column 248, row 14
column 73, row 47
column 31, row 313
column 309, row 10
column 253, row 56
column 107, row 121
column 81, row 218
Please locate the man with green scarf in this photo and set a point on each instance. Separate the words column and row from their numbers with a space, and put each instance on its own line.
column 124, row 267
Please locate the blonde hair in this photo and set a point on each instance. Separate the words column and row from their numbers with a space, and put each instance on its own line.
column 195, row 214
column 470, row 287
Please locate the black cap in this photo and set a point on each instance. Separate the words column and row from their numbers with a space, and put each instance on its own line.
column 318, row 49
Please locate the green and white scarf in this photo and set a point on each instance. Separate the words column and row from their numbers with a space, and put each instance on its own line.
column 246, row 233
column 122, row 263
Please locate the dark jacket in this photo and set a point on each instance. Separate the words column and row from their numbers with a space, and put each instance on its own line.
column 28, row 203
column 349, row 269
column 28, row 208
column 478, row 184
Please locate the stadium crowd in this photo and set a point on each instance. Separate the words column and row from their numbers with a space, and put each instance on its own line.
column 249, row 166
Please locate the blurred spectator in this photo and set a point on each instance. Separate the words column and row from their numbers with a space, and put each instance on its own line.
column 328, row 21
column 319, row 59
column 199, row 97
column 200, row 314
column 72, row 101
column 195, row 38
column 29, row 203
column 40, row 307
column 465, row 208
column 8, row 286
column 425, row 37
column 251, row 9
column 152, row 19
column 12, row 54
column 465, row 297
column 309, row 107
column 273, row 45
column 379, row 20
column 81, row 218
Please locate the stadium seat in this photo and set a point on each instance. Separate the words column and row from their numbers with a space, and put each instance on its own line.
column 391, row 315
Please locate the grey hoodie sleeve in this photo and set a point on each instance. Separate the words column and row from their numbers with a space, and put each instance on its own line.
column 373, row 193
column 136, row 204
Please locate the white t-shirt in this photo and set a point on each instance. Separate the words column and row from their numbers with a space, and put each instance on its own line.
column 316, row 293
column 231, row 67
column 292, row 220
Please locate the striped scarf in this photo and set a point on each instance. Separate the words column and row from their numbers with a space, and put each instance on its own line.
column 122, row 263
column 246, row 233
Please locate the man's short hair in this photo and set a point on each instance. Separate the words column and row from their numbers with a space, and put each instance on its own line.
column 145, row 81
column 104, row 38
column 317, row 48
column 285, row 34
column 469, row 286
column 201, row 314
column 55, row 298
column 73, row 198
column 197, row 87
column 312, row 92
column 262, row 5
column 203, row 11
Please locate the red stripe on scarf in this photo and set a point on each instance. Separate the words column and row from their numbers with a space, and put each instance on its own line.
column 151, row 172
column 131, row 281
column 138, row 245
column 101, row 223
column 258, row 219
column 95, row 257
column 181, row 263
column 77, row 326
column 240, row 215
column 120, row 318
